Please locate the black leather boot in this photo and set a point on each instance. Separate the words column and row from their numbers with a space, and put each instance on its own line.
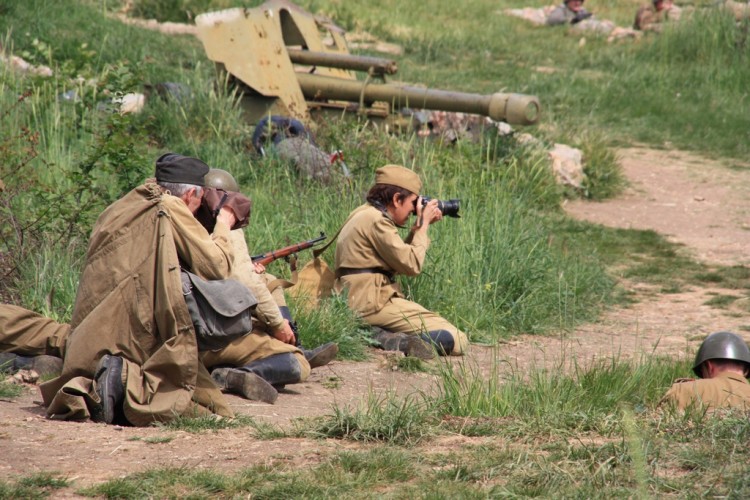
column 110, row 389
column 278, row 370
column 410, row 345
column 441, row 339
column 286, row 313
column 246, row 384
column 321, row 355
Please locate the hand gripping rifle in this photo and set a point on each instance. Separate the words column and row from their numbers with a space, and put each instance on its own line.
column 268, row 257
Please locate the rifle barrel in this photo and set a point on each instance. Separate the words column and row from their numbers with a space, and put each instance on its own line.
column 268, row 257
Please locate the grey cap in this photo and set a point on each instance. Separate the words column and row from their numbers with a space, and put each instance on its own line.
column 722, row 345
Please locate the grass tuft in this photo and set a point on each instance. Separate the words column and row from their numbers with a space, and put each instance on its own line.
column 382, row 418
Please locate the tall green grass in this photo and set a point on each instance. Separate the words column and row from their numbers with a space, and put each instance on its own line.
column 564, row 398
column 380, row 418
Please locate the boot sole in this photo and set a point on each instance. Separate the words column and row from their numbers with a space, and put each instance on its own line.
column 324, row 357
column 417, row 348
column 257, row 389
column 105, row 370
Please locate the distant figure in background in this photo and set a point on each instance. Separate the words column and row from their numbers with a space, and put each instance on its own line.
column 293, row 143
column 653, row 15
column 570, row 12
column 740, row 10
column 723, row 364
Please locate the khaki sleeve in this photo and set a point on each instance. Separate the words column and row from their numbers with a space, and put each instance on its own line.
column 209, row 256
column 267, row 310
column 679, row 395
column 403, row 258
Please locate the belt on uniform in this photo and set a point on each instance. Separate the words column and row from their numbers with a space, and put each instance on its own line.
column 346, row 271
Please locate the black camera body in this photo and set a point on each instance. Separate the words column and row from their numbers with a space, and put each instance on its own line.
column 449, row 208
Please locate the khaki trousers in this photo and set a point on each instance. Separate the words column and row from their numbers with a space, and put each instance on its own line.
column 253, row 347
column 404, row 316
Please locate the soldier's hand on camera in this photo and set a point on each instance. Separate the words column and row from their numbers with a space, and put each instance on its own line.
column 426, row 214
column 226, row 215
column 431, row 213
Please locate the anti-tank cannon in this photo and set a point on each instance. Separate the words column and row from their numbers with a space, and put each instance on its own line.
column 277, row 58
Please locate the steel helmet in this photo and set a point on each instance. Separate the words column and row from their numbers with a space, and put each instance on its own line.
column 722, row 345
column 221, row 179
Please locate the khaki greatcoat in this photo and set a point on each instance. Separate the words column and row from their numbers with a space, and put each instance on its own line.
column 130, row 304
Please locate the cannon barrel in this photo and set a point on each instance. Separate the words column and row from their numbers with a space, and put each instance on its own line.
column 516, row 109
column 373, row 65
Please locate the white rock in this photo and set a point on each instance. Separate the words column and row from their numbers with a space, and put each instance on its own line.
column 567, row 164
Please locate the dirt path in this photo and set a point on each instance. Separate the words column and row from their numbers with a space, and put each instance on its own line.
column 691, row 200
column 694, row 201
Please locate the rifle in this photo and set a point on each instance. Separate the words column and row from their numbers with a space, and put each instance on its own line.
column 268, row 257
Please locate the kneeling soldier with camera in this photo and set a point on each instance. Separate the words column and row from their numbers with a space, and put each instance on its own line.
column 370, row 252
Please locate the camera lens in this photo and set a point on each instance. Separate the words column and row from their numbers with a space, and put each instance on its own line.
column 449, row 208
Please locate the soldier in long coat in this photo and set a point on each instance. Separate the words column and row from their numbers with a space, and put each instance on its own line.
column 370, row 252
column 130, row 306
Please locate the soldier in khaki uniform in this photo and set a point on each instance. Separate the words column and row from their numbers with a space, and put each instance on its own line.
column 722, row 363
column 653, row 15
column 370, row 252
column 254, row 365
column 132, row 354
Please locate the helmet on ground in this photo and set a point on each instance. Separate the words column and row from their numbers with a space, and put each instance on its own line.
column 722, row 345
column 221, row 179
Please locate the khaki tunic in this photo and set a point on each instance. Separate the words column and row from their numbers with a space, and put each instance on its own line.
column 267, row 317
column 726, row 390
column 370, row 239
column 130, row 304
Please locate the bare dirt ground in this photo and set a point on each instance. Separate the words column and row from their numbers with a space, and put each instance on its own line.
column 693, row 200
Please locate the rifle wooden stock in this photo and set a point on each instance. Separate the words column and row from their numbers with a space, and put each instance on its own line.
column 268, row 257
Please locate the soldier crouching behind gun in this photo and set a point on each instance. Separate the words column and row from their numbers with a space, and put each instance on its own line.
column 370, row 252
